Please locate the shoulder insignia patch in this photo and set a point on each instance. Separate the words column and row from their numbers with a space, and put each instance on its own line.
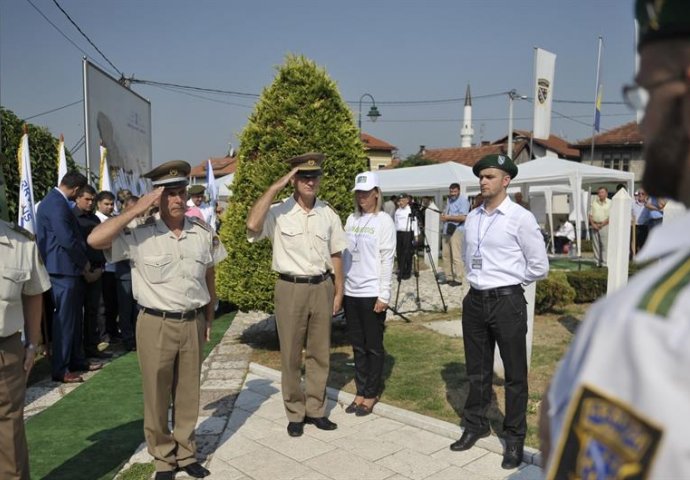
column 22, row 231
column 604, row 438
column 330, row 206
column 660, row 298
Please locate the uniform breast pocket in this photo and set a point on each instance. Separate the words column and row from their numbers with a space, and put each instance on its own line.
column 292, row 236
column 200, row 265
column 12, row 283
column 158, row 268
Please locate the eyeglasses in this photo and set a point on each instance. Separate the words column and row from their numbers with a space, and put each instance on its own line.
column 637, row 96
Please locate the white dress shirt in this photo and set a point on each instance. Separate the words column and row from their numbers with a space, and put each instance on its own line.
column 509, row 243
column 405, row 221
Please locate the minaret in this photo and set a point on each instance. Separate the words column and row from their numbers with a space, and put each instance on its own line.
column 467, row 131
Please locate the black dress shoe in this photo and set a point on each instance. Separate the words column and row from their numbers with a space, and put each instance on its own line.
column 512, row 456
column 468, row 440
column 164, row 476
column 295, row 429
column 195, row 470
column 322, row 423
column 351, row 408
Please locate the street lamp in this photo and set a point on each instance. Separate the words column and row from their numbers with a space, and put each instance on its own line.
column 373, row 114
column 512, row 95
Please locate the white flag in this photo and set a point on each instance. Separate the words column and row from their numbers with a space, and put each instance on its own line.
column 62, row 160
column 26, row 212
column 104, row 182
column 212, row 193
column 544, row 68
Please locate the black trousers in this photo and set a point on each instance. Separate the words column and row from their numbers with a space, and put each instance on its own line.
column 404, row 253
column 108, row 324
column 365, row 328
column 487, row 321
column 92, row 301
column 128, row 309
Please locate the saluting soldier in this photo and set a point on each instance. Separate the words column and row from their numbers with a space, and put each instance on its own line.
column 308, row 239
column 22, row 283
column 173, row 279
column 617, row 406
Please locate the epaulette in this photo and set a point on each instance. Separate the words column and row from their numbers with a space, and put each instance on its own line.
column 201, row 223
column 147, row 222
column 23, row 231
column 330, row 206
column 277, row 202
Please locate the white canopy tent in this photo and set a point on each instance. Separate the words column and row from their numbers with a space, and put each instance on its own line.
column 558, row 175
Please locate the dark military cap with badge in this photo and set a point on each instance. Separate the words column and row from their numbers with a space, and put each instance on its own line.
column 170, row 174
column 197, row 189
column 662, row 19
column 502, row 162
column 308, row 164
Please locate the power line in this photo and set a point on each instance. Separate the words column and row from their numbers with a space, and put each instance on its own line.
column 215, row 100
column 64, row 35
column 488, row 119
column 87, row 38
column 53, row 110
column 197, row 89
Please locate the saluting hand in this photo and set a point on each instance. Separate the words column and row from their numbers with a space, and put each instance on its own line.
column 285, row 179
column 147, row 201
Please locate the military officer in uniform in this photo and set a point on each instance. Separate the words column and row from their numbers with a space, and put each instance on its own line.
column 173, row 277
column 308, row 239
column 23, row 279
column 617, row 405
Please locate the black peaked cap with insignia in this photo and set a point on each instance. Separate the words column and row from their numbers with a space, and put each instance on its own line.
column 662, row 19
column 170, row 174
column 308, row 164
column 502, row 162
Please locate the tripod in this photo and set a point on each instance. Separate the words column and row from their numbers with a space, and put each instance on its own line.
column 415, row 267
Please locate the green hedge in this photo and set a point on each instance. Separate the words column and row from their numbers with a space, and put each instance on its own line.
column 553, row 293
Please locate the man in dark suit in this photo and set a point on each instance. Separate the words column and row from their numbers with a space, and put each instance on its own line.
column 64, row 252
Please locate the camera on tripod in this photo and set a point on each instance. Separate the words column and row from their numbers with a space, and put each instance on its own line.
column 417, row 210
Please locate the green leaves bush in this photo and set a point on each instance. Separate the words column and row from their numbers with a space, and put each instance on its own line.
column 300, row 111
column 589, row 285
column 553, row 293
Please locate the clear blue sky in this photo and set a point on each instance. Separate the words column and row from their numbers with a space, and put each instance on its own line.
column 397, row 51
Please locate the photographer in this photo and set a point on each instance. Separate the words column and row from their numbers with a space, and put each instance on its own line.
column 453, row 236
column 407, row 231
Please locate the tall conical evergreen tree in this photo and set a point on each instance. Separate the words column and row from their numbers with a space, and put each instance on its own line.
column 301, row 111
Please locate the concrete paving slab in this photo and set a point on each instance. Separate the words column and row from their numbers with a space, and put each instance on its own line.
column 417, row 440
column 299, row 449
column 413, row 464
column 459, row 459
column 267, row 464
column 368, row 447
column 490, row 465
column 341, row 465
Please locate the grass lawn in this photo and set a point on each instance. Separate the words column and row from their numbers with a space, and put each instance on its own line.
column 92, row 432
column 425, row 371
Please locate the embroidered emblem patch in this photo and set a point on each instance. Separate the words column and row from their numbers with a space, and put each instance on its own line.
column 543, row 90
column 501, row 159
column 606, row 439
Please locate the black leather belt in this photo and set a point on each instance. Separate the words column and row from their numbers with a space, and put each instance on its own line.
column 498, row 292
column 314, row 279
column 190, row 315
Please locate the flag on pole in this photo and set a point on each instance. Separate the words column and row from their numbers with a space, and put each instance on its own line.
column 62, row 160
column 597, row 108
column 26, row 212
column 4, row 211
column 544, row 66
column 212, row 193
column 104, row 182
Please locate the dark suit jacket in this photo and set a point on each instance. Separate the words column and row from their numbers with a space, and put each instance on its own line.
column 59, row 240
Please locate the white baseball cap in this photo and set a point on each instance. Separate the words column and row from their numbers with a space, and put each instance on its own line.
column 366, row 181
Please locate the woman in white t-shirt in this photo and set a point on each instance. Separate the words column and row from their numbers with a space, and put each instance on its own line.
column 368, row 267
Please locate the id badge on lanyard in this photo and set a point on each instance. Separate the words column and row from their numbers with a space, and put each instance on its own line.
column 476, row 262
column 355, row 256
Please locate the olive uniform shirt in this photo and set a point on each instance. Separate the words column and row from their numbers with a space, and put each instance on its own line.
column 303, row 242
column 21, row 272
column 168, row 272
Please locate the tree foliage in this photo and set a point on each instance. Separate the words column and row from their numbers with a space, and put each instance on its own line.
column 42, row 151
column 301, row 111
column 415, row 160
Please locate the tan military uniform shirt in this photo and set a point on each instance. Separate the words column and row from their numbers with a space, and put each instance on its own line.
column 168, row 272
column 303, row 242
column 21, row 272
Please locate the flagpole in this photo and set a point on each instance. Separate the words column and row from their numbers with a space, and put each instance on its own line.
column 534, row 99
column 596, row 95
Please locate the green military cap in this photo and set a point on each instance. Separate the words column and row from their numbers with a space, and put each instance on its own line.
column 197, row 189
column 308, row 164
column 502, row 162
column 170, row 174
column 662, row 19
